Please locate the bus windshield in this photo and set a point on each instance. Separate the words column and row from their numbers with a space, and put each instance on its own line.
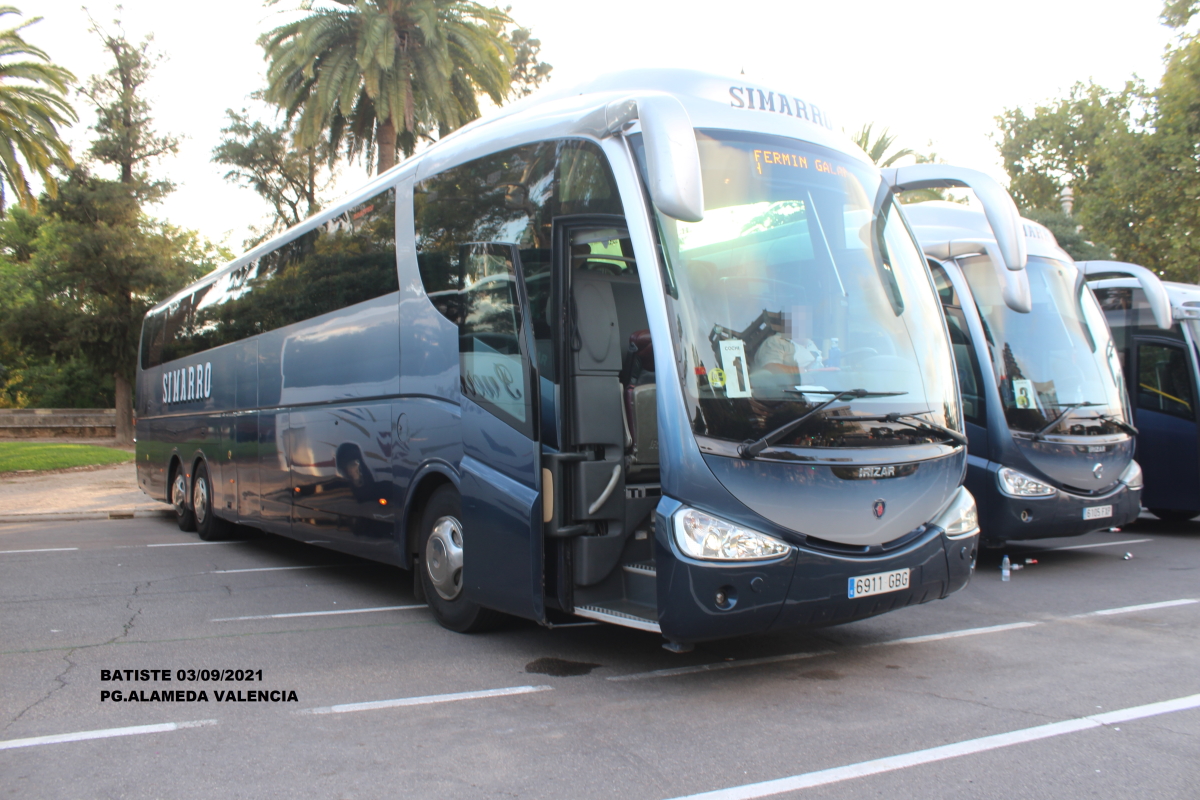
column 803, row 281
column 1059, row 357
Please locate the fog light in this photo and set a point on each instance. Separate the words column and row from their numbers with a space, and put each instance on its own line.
column 725, row 598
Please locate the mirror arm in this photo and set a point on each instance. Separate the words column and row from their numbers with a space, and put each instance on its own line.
column 1014, row 286
column 672, row 156
column 1156, row 293
column 998, row 205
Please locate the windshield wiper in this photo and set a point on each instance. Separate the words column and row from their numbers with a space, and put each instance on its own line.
column 752, row 449
column 1066, row 412
column 1115, row 420
column 903, row 419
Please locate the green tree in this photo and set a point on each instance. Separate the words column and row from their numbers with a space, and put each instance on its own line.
column 1068, row 142
column 528, row 73
column 125, row 135
column 877, row 146
column 98, row 265
column 1069, row 234
column 376, row 76
column 267, row 160
column 98, row 262
column 32, row 106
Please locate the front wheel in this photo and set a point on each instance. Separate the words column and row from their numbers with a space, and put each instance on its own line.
column 179, row 499
column 441, row 565
column 1174, row 514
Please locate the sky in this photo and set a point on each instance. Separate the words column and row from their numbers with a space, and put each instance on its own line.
column 936, row 72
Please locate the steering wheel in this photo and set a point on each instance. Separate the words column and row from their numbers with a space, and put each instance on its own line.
column 859, row 352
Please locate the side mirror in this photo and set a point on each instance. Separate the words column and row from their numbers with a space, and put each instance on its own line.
column 1014, row 286
column 998, row 205
column 672, row 157
column 1156, row 293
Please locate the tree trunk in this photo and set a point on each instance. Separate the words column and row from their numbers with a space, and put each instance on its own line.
column 385, row 140
column 124, row 403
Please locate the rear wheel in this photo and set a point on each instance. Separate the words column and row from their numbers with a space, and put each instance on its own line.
column 179, row 499
column 441, row 565
column 208, row 524
column 1174, row 514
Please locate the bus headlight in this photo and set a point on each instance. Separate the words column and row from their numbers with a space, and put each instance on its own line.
column 1018, row 484
column 961, row 517
column 1132, row 476
column 703, row 536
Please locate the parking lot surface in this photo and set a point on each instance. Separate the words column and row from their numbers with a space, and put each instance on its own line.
column 1077, row 678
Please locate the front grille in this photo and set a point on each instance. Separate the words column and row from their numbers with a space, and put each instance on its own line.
column 836, row 547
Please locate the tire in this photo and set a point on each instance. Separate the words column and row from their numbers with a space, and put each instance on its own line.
column 209, row 526
column 179, row 499
column 440, row 565
column 1174, row 514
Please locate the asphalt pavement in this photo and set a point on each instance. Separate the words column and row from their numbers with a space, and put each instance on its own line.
column 1077, row 678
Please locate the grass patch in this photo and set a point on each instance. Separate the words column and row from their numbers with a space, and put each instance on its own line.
column 52, row 455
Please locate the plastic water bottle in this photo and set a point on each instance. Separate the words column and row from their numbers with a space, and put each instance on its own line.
column 1005, row 569
column 835, row 354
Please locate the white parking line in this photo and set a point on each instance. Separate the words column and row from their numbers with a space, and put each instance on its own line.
column 426, row 700
column 270, row 569
column 107, row 733
column 193, row 544
column 321, row 613
column 968, row 747
column 931, row 637
column 719, row 665
column 1089, row 546
column 935, row 637
column 43, row 550
column 1133, row 609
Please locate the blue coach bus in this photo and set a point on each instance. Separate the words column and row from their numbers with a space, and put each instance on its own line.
column 457, row 371
column 1050, row 428
column 1156, row 327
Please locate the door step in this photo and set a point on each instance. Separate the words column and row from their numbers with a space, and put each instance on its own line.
column 620, row 613
column 640, row 583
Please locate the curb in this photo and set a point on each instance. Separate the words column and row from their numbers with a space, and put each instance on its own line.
column 74, row 516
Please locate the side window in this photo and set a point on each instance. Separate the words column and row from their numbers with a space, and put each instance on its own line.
column 1164, row 381
column 490, row 353
column 509, row 198
column 970, row 378
column 349, row 259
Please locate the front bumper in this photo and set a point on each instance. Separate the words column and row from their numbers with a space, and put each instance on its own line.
column 807, row 588
column 1003, row 518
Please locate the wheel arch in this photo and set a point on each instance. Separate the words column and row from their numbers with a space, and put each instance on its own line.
column 428, row 479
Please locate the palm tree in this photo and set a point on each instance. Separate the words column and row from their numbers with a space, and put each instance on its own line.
column 32, row 106
column 877, row 148
column 379, row 75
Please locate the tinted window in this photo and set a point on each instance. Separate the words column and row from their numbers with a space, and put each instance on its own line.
column 349, row 259
column 509, row 198
column 1164, row 382
column 970, row 378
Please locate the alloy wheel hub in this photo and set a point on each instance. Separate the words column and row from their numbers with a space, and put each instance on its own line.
column 444, row 557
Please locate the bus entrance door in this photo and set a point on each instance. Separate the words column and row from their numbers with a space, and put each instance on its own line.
column 1167, row 447
column 501, row 465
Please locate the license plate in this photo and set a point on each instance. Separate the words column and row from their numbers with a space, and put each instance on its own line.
column 879, row 583
column 1097, row 512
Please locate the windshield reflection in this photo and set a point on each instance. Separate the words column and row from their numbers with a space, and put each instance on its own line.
column 803, row 281
column 1057, row 357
